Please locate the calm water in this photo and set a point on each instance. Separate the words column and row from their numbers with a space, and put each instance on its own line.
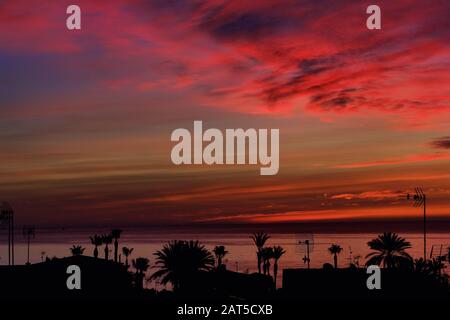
column 242, row 252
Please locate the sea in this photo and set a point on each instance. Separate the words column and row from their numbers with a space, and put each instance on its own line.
column 241, row 255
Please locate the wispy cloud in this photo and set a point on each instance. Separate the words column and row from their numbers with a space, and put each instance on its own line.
column 373, row 195
column 395, row 161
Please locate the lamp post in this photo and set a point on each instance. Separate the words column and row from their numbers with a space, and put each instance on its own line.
column 7, row 215
column 420, row 199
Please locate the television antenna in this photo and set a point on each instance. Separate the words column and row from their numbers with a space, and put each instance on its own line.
column 305, row 245
column 437, row 251
column 420, row 199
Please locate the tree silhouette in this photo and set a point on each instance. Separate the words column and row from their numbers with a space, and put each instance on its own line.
column 436, row 265
column 106, row 240
column 266, row 255
column 96, row 241
column 259, row 239
column 77, row 250
column 219, row 252
column 420, row 265
column 179, row 261
column 127, row 252
column 389, row 251
column 448, row 255
column 277, row 252
column 430, row 268
column 115, row 234
column 335, row 249
column 28, row 232
column 141, row 265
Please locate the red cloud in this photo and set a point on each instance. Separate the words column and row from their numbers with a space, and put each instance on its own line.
column 374, row 195
column 255, row 57
column 393, row 161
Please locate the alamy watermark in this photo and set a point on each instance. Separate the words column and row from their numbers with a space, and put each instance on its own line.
column 240, row 147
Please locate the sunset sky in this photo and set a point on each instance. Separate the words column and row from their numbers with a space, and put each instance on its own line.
column 86, row 115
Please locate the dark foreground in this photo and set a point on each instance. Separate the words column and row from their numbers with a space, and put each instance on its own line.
column 110, row 288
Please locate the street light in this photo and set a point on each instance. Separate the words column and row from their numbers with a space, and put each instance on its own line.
column 420, row 199
column 7, row 215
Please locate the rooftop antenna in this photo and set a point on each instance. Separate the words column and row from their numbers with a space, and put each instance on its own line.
column 435, row 254
column 306, row 258
column 305, row 245
column 7, row 216
column 420, row 199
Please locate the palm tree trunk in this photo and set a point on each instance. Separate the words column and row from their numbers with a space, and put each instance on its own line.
column 116, row 248
column 126, row 262
column 275, row 272
column 219, row 261
column 335, row 260
column 258, row 255
column 95, row 252
column 106, row 252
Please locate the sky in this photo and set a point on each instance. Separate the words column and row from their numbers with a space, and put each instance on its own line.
column 86, row 115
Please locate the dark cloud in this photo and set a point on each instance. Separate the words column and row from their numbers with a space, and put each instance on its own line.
column 246, row 25
column 305, row 70
column 316, row 65
column 441, row 143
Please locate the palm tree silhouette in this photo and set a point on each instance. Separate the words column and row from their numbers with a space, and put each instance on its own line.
column 266, row 255
column 335, row 249
column 436, row 266
column 115, row 234
column 106, row 240
column 179, row 261
column 28, row 233
column 96, row 241
column 77, row 250
column 421, row 266
column 141, row 265
column 259, row 239
column 429, row 268
column 389, row 250
column 219, row 252
column 127, row 252
column 277, row 253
